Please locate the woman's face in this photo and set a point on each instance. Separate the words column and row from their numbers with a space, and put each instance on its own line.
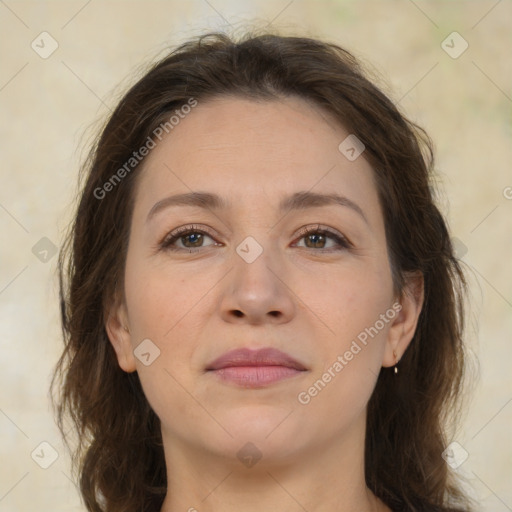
column 263, row 259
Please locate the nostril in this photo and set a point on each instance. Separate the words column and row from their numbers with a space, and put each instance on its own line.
column 238, row 313
column 275, row 313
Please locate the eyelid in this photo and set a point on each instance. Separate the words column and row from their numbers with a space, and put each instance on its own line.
column 341, row 239
column 174, row 235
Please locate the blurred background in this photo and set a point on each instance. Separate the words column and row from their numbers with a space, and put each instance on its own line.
column 64, row 66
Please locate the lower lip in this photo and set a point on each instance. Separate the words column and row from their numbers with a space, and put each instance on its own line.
column 255, row 376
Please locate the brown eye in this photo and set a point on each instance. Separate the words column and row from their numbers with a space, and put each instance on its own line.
column 187, row 238
column 195, row 239
column 320, row 238
column 317, row 241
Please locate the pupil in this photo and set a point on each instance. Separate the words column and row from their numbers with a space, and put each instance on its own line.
column 194, row 238
column 317, row 240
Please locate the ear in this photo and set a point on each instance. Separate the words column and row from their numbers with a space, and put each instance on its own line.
column 404, row 325
column 118, row 332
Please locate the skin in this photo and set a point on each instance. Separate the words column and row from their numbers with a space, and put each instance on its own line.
column 308, row 300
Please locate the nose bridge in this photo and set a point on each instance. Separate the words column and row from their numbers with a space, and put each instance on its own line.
column 256, row 290
column 255, row 266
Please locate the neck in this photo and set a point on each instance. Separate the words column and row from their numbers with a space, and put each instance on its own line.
column 328, row 477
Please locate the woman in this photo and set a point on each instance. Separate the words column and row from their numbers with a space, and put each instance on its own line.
column 260, row 301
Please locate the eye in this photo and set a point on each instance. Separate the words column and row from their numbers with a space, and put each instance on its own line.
column 186, row 238
column 192, row 239
column 316, row 237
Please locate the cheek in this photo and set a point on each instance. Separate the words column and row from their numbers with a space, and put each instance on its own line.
column 162, row 307
column 356, row 309
column 159, row 303
column 349, row 300
column 161, row 298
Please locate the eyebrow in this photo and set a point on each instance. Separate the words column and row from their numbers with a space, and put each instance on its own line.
column 297, row 201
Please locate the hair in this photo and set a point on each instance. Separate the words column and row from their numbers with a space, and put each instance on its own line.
column 118, row 452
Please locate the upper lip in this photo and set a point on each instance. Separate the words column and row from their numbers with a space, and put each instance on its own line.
column 260, row 357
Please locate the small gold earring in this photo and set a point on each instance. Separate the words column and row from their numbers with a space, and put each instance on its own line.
column 396, row 361
column 125, row 328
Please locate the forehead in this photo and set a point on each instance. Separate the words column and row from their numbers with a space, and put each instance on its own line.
column 236, row 147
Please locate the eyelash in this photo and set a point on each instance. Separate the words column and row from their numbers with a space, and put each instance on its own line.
column 166, row 243
column 175, row 235
column 337, row 237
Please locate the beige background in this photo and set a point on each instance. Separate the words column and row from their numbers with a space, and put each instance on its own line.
column 49, row 105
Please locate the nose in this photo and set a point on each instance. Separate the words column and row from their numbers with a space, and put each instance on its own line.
column 257, row 292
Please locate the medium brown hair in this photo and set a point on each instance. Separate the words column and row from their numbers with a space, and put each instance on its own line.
column 118, row 452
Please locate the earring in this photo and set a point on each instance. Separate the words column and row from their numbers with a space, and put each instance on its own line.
column 125, row 328
column 396, row 361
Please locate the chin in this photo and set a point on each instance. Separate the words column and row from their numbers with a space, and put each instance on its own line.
column 272, row 431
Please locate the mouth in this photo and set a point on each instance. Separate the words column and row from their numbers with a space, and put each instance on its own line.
column 255, row 368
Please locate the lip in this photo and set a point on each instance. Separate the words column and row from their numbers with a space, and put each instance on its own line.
column 255, row 368
column 260, row 357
